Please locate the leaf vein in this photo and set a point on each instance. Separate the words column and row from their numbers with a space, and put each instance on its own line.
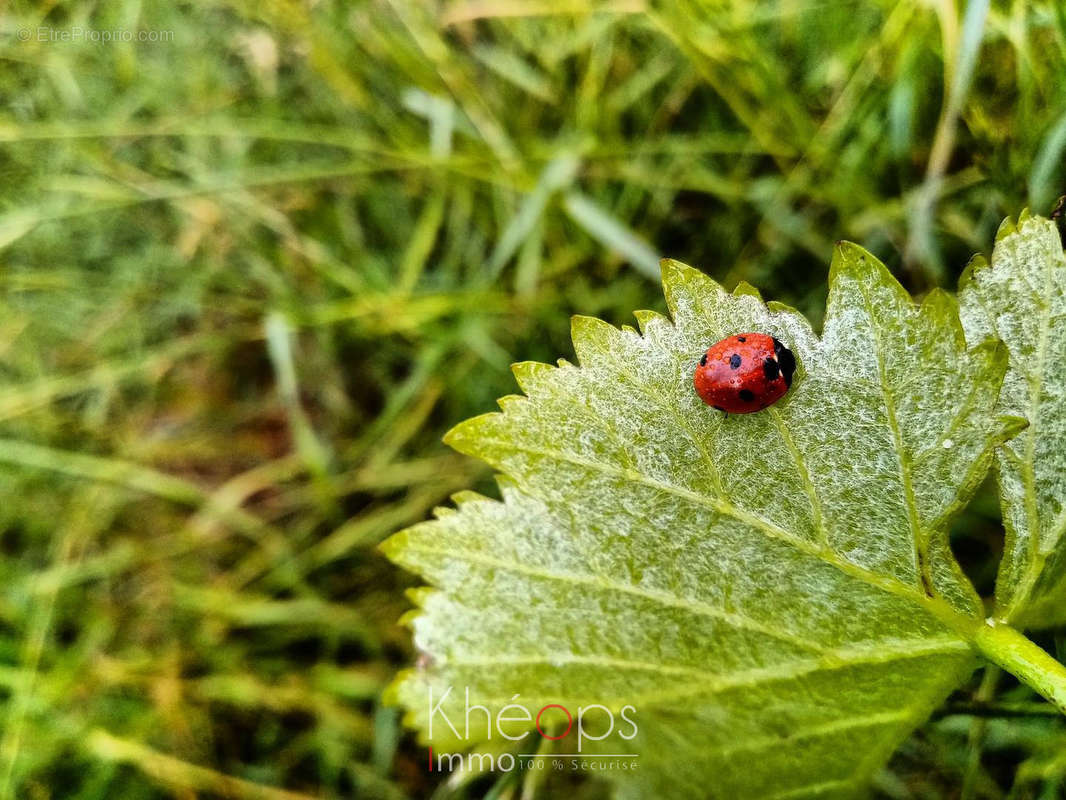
column 843, row 658
column 918, row 537
column 887, row 583
column 605, row 584
column 805, row 476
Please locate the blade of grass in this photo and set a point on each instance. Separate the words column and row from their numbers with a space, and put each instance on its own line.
column 181, row 775
column 612, row 233
column 958, row 76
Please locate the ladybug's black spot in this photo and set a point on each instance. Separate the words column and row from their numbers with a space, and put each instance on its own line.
column 719, row 408
column 771, row 369
column 742, row 338
column 734, row 360
column 785, row 360
column 703, row 361
column 746, row 395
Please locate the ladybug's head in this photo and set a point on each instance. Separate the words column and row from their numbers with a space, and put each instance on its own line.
column 785, row 360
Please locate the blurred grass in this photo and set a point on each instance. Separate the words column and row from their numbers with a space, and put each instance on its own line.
column 250, row 275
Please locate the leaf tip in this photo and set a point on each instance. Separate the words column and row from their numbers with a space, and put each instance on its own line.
column 580, row 324
column 851, row 251
column 508, row 401
column 419, row 597
column 466, row 437
column 393, row 547
column 855, row 260
column 591, row 336
column 467, row 496
column 407, row 618
column 938, row 300
column 745, row 289
column 1006, row 228
column 974, row 267
column 671, row 269
column 645, row 319
column 845, row 257
column 676, row 272
column 528, row 373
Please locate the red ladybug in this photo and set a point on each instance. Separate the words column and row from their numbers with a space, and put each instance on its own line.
column 744, row 373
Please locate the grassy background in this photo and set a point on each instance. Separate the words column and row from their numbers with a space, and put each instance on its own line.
column 250, row 274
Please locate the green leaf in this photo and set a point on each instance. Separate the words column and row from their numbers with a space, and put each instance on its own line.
column 1021, row 298
column 772, row 593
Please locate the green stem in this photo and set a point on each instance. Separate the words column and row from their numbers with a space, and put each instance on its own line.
column 994, row 710
column 1007, row 648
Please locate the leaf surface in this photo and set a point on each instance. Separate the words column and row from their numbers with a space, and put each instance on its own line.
column 1021, row 299
column 773, row 594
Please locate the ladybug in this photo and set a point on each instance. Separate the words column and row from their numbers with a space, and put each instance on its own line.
column 744, row 373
